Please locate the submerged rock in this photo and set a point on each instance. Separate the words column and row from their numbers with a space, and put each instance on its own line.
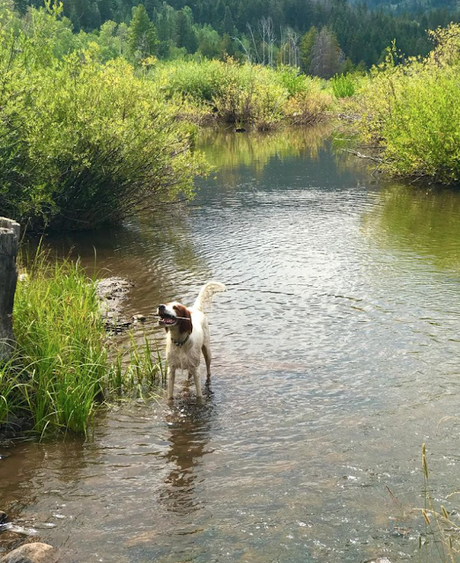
column 112, row 292
column 3, row 517
column 32, row 553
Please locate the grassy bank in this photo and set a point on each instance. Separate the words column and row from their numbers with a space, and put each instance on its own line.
column 62, row 371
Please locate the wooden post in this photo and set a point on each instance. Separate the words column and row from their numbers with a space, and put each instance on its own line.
column 9, row 243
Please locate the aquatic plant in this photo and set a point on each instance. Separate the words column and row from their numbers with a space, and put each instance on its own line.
column 442, row 534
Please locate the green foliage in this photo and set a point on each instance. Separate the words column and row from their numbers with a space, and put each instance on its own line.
column 362, row 33
column 61, row 370
column 343, row 86
column 310, row 106
column 82, row 142
column 306, row 48
column 413, row 111
column 142, row 34
column 60, row 338
column 240, row 93
column 11, row 398
column 292, row 79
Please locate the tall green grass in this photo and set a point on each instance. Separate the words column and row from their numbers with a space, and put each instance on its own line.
column 343, row 86
column 60, row 335
column 62, row 369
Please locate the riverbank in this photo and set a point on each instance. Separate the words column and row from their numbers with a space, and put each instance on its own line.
column 410, row 112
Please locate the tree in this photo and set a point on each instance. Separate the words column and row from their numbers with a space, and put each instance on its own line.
column 306, row 47
column 327, row 57
column 228, row 25
column 142, row 34
column 209, row 42
column 186, row 36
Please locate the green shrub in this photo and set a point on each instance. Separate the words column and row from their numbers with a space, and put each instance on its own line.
column 82, row 143
column 309, row 107
column 236, row 93
column 412, row 111
column 197, row 80
column 291, row 79
column 343, row 86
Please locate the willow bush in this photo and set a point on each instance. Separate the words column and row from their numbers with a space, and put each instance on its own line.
column 81, row 142
column 242, row 93
column 412, row 111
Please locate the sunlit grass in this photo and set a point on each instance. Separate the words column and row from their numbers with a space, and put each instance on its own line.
column 63, row 369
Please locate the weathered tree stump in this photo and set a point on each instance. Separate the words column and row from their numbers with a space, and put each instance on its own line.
column 9, row 243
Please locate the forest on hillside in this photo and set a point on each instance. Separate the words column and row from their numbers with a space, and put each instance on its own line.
column 322, row 37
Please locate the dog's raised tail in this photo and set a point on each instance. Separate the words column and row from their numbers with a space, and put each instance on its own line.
column 206, row 292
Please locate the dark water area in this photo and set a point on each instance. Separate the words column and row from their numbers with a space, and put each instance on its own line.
column 335, row 358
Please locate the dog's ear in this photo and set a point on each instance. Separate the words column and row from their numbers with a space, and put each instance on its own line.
column 185, row 318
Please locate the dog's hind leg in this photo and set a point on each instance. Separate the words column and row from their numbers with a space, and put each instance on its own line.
column 207, row 358
column 171, row 377
column 196, row 377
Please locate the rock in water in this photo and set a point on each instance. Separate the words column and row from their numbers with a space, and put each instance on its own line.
column 32, row 553
column 111, row 293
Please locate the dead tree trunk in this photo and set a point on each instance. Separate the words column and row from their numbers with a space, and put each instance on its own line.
column 9, row 242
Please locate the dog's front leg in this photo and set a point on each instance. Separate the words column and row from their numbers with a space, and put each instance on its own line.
column 171, row 377
column 197, row 379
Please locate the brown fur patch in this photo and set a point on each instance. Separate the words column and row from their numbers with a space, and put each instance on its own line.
column 185, row 322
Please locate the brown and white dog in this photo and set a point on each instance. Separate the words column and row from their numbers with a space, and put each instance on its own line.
column 188, row 336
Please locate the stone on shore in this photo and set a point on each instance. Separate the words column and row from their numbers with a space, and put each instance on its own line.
column 32, row 553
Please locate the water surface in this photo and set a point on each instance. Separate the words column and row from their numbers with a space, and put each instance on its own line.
column 335, row 357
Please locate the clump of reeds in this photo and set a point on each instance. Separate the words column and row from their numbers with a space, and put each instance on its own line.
column 62, row 369
column 442, row 528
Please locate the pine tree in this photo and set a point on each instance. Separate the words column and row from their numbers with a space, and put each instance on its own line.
column 142, row 34
column 306, row 47
column 186, row 36
column 228, row 25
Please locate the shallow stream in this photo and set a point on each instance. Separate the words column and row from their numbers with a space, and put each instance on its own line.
column 336, row 355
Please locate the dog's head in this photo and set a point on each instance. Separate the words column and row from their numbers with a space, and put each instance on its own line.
column 175, row 315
